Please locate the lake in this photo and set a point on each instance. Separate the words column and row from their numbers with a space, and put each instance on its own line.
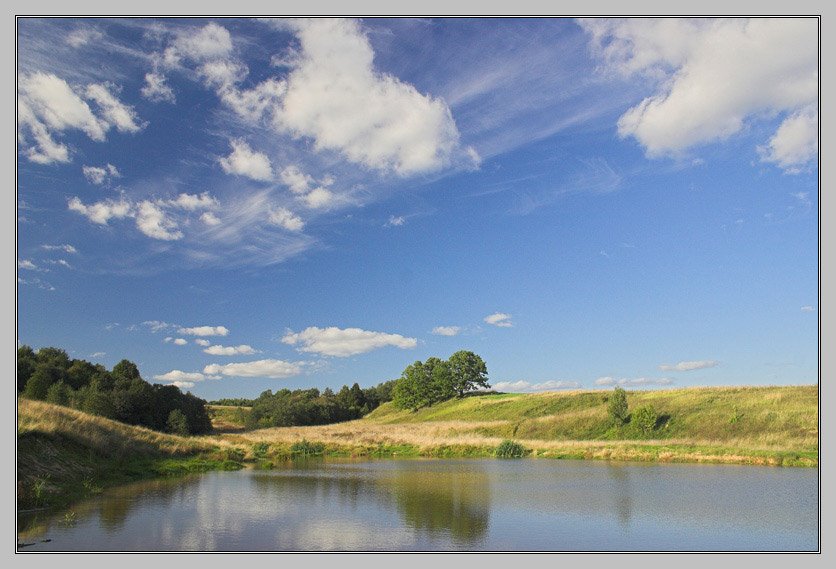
column 440, row 505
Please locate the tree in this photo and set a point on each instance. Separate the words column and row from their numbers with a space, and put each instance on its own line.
column 26, row 363
column 468, row 371
column 126, row 371
column 440, row 387
column 177, row 424
column 617, row 407
column 58, row 394
column 44, row 376
column 80, row 373
column 644, row 419
column 411, row 390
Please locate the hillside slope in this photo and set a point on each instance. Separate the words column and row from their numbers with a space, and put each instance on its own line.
column 743, row 425
column 63, row 454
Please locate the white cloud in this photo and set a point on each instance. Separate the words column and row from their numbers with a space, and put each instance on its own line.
column 319, row 198
column 604, row 381
column 275, row 369
column 446, row 330
column 153, row 218
column 395, row 221
column 807, row 308
column 336, row 97
column 98, row 175
column 66, row 248
column 153, row 222
column 102, row 212
column 43, row 285
column 333, row 341
column 711, row 76
column 193, row 202
column 283, row 217
column 298, row 182
column 180, row 342
column 176, row 375
column 202, row 342
column 210, row 219
column 61, row 262
column 114, row 111
column 156, row 89
column 499, row 319
column 183, row 384
column 158, row 325
column 244, row 161
column 795, row 143
column 689, row 366
column 243, row 349
column 204, row 331
column 207, row 43
column 97, row 355
column 526, row 387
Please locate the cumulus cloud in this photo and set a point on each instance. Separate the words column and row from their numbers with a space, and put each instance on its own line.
column 210, row 219
column 153, row 222
column 66, row 248
column 202, row 342
column 156, row 219
column 204, row 331
column 275, row 369
column 176, row 375
column 639, row 381
column 337, row 98
column 180, row 341
column 99, row 174
column 244, row 161
column 689, row 366
column 499, row 319
column 446, row 330
column 711, row 76
column 243, row 349
column 199, row 45
column 283, row 217
column 333, row 341
column 103, row 211
column 27, row 264
column 526, row 387
column 156, row 89
column 795, row 143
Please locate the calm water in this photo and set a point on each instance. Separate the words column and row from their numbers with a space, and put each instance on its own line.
column 448, row 505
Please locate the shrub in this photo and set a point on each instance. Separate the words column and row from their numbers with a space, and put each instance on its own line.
column 645, row 419
column 617, row 406
column 509, row 449
column 305, row 448
column 177, row 424
column 260, row 450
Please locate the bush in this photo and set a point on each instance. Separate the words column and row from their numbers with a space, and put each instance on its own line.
column 617, row 407
column 510, row 449
column 644, row 420
column 260, row 450
column 177, row 424
column 305, row 448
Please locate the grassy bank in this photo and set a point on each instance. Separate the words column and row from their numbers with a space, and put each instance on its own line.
column 64, row 455
column 735, row 425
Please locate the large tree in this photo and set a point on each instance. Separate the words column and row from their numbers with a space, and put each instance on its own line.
column 468, row 371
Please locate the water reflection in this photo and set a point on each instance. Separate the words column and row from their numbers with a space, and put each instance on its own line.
column 447, row 505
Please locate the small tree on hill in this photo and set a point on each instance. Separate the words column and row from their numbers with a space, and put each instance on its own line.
column 177, row 423
column 617, row 407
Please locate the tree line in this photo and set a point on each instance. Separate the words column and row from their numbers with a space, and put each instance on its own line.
column 121, row 394
column 300, row 407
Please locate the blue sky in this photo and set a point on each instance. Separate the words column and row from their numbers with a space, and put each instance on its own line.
column 239, row 205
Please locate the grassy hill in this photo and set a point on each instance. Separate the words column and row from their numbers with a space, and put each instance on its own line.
column 754, row 425
column 64, row 454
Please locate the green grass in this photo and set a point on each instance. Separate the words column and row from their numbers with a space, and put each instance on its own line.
column 766, row 416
